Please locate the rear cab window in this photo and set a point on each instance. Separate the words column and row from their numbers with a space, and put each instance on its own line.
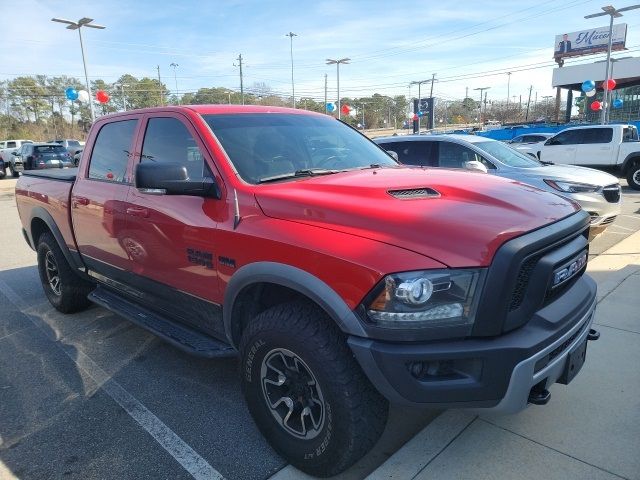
column 111, row 151
column 49, row 149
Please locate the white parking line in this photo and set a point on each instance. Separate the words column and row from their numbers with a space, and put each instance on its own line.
column 188, row 458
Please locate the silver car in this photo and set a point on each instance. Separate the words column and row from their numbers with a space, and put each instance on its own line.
column 597, row 192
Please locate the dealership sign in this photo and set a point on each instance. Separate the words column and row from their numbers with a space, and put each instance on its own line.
column 591, row 41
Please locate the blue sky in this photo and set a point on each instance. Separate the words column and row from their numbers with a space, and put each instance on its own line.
column 390, row 43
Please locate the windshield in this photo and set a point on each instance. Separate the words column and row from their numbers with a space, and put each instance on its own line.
column 73, row 143
column 266, row 145
column 508, row 155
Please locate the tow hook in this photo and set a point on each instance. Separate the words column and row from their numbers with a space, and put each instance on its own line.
column 539, row 396
column 593, row 335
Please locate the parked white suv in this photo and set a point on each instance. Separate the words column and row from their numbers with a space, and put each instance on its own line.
column 6, row 148
column 595, row 146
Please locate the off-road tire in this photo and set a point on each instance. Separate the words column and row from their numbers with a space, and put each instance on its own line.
column 71, row 292
column 633, row 175
column 14, row 174
column 355, row 413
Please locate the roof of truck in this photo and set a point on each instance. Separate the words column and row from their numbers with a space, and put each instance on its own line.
column 216, row 110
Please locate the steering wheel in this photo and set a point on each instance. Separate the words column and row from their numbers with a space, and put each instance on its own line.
column 330, row 163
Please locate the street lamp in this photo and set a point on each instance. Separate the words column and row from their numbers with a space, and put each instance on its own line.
column 337, row 63
column 482, row 89
column 124, row 99
column 293, row 89
column 613, row 13
column 175, row 78
column 83, row 22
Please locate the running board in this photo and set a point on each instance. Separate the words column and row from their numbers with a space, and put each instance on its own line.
column 179, row 335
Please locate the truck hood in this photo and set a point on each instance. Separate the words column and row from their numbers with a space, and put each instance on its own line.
column 571, row 173
column 461, row 223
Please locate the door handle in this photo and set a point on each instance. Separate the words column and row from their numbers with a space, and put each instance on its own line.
column 80, row 201
column 138, row 212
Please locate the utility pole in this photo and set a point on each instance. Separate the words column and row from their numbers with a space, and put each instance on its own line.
column 124, row 99
column 241, row 80
column 466, row 92
column 526, row 117
column 325, row 93
column 482, row 89
column 160, row 87
column 362, row 115
column 293, row 89
column 175, row 79
column 485, row 104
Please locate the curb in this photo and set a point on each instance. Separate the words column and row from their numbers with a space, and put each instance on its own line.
column 609, row 269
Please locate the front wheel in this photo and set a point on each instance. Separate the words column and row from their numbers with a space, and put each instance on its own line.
column 64, row 289
column 633, row 176
column 305, row 391
column 14, row 174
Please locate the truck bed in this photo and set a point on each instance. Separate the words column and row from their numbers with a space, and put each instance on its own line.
column 60, row 174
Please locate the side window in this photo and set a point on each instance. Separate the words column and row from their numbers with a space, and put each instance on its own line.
column 629, row 134
column 453, row 155
column 168, row 140
column 518, row 139
column 111, row 151
column 420, row 153
column 11, row 144
column 570, row 137
column 598, row 135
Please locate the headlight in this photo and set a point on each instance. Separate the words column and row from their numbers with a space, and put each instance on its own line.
column 571, row 187
column 425, row 299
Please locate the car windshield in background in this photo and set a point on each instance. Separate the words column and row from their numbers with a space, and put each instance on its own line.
column 73, row 143
column 49, row 149
column 507, row 155
column 265, row 146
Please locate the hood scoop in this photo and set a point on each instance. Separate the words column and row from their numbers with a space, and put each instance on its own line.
column 413, row 193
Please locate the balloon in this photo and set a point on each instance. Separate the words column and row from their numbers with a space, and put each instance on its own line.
column 588, row 85
column 617, row 103
column 591, row 93
column 83, row 96
column 595, row 106
column 71, row 93
column 415, row 116
column 420, row 113
column 102, row 96
column 331, row 107
column 410, row 115
column 345, row 109
column 353, row 113
column 609, row 84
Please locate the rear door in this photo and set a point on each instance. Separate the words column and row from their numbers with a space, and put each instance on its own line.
column 98, row 200
column 562, row 147
column 172, row 238
column 596, row 147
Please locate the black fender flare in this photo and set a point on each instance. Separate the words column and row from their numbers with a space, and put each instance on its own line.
column 629, row 160
column 295, row 279
column 42, row 214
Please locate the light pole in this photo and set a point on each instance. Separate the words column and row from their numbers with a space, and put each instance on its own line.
column 482, row 89
column 337, row 63
column 613, row 13
column 124, row 99
column 175, row 79
column 419, row 83
column 83, row 22
column 293, row 88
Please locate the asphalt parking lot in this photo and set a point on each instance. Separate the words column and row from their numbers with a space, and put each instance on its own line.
column 91, row 396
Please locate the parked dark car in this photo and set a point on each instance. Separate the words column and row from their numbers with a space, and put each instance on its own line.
column 37, row 156
column 71, row 145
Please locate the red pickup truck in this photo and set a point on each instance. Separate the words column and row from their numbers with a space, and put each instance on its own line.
column 344, row 280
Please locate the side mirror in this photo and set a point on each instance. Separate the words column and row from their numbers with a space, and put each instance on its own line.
column 15, row 152
column 393, row 155
column 173, row 179
column 476, row 166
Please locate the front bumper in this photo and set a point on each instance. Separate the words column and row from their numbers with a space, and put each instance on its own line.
column 495, row 372
column 602, row 212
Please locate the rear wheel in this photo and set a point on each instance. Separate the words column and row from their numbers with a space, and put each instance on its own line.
column 64, row 289
column 633, row 175
column 306, row 392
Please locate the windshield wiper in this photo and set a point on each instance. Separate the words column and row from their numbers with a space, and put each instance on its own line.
column 308, row 172
column 546, row 163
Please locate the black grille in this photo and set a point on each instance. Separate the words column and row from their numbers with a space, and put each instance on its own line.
column 522, row 281
column 544, row 361
column 608, row 220
column 425, row 192
column 611, row 193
